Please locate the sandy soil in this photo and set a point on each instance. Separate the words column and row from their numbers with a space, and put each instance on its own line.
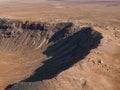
column 15, row 67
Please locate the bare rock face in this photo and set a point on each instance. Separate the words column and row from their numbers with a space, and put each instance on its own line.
column 29, row 33
column 34, row 33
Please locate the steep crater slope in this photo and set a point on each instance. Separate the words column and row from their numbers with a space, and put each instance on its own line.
column 37, row 51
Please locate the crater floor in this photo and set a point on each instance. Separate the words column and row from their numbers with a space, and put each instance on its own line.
column 58, row 56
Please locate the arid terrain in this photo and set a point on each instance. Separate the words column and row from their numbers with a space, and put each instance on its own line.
column 59, row 45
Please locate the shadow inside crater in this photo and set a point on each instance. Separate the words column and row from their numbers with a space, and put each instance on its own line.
column 65, row 53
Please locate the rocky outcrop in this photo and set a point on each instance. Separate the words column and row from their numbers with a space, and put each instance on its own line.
column 32, row 34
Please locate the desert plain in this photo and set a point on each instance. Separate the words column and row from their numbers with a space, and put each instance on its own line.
column 59, row 45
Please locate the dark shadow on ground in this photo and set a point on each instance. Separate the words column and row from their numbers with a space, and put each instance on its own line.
column 67, row 52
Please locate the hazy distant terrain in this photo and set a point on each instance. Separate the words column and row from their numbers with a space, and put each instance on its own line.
column 40, row 8
column 48, row 1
